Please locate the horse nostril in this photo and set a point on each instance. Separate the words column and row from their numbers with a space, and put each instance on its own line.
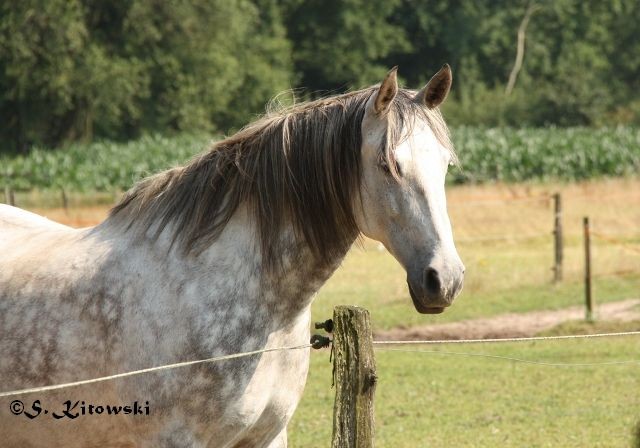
column 432, row 281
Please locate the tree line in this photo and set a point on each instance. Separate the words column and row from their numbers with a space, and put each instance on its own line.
column 79, row 69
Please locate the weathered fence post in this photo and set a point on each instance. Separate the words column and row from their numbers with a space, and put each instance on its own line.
column 557, row 237
column 354, row 375
column 9, row 198
column 65, row 200
column 587, row 268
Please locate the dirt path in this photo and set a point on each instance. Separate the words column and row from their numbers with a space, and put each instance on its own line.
column 511, row 325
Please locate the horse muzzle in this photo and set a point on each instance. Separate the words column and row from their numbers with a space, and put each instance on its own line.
column 432, row 290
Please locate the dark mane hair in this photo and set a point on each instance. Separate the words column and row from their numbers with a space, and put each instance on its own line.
column 299, row 165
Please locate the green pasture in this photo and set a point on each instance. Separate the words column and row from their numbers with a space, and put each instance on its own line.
column 438, row 399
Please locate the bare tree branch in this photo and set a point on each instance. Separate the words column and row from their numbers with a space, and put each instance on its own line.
column 522, row 29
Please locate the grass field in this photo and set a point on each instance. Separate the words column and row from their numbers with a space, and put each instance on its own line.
column 445, row 400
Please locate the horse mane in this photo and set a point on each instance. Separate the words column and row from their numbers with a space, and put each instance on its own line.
column 298, row 165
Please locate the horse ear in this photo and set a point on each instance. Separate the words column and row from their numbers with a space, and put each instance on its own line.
column 437, row 89
column 386, row 93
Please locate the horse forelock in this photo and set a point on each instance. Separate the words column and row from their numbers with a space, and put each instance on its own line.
column 299, row 165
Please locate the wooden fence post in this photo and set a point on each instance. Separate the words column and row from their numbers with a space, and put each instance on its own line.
column 354, row 375
column 557, row 237
column 587, row 269
column 65, row 200
column 9, row 198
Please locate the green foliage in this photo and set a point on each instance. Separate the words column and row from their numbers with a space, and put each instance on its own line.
column 580, row 59
column 74, row 69
column 211, row 64
column 499, row 154
column 339, row 44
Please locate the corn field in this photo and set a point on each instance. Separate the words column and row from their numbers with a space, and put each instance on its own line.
column 509, row 155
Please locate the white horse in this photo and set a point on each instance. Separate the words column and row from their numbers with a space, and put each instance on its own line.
column 220, row 256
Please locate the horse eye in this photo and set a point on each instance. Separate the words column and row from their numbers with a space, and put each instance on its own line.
column 384, row 166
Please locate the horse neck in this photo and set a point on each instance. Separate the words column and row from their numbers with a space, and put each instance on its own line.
column 288, row 287
column 301, row 275
column 233, row 265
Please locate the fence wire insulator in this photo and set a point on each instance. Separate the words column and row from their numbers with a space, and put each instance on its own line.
column 327, row 325
column 317, row 341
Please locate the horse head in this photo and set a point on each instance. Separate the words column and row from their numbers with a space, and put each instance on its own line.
column 402, row 198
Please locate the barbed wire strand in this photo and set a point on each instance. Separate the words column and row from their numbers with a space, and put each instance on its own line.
column 498, row 340
column 509, row 358
column 150, row 369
